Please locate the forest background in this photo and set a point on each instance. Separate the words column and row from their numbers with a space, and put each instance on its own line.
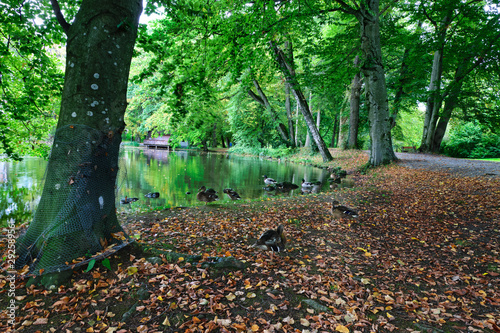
column 200, row 79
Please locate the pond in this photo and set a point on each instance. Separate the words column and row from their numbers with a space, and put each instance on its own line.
column 175, row 175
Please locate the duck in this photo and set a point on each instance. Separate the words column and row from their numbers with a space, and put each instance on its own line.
column 272, row 240
column 269, row 181
column 339, row 211
column 152, row 195
column 286, row 186
column 231, row 194
column 309, row 184
column 211, row 191
column 206, row 195
column 126, row 200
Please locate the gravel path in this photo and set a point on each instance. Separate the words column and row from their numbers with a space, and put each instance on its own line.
column 456, row 166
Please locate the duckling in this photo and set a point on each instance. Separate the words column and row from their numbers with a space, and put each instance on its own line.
column 231, row 194
column 269, row 181
column 152, row 195
column 342, row 211
column 272, row 240
column 126, row 201
column 206, row 195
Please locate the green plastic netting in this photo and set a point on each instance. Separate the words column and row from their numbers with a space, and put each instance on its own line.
column 76, row 216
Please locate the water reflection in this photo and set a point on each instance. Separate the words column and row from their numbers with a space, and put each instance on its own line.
column 176, row 176
column 20, row 188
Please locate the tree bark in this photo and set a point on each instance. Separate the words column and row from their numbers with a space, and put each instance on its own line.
column 262, row 100
column 288, row 107
column 76, row 215
column 343, row 124
column 288, row 104
column 335, row 134
column 434, row 101
column 286, row 67
column 297, row 127
column 352, row 143
column 308, row 136
column 381, row 151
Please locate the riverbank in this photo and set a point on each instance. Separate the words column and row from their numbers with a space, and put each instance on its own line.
column 424, row 255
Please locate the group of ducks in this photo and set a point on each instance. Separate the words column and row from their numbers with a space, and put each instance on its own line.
column 128, row 200
column 209, row 195
column 287, row 185
column 275, row 240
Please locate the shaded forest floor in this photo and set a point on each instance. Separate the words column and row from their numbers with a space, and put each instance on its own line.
column 422, row 257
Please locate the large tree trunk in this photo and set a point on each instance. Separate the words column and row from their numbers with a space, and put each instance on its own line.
column 434, row 101
column 76, row 216
column 286, row 67
column 465, row 66
column 381, row 151
column 352, row 143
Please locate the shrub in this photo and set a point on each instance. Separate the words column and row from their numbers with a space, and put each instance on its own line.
column 471, row 140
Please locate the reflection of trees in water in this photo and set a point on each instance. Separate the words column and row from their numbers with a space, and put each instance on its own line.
column 173, row 174
column 17, row 202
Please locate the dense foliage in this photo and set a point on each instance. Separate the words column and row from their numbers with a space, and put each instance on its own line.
column 196, row 70
column 30, row 79
column 472, row 140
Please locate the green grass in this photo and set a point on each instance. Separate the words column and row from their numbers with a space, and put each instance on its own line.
column 488, row 159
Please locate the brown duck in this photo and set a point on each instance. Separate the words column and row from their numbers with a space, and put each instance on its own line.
column 339, row 211
column 206, row 196
column 272, row 240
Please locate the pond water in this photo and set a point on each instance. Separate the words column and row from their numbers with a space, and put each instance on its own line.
column 175, row 175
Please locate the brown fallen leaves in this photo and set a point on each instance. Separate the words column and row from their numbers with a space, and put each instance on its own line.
column 423, row 255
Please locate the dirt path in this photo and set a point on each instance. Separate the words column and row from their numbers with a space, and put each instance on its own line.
column 457, row 166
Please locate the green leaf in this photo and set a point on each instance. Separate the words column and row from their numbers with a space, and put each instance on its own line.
column 90, row 266
column 106, row 263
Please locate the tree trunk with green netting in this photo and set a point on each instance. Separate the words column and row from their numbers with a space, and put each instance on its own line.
column 76, row 216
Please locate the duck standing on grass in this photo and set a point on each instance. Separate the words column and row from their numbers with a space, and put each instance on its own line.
column 206, row 196
column 272, row 240
column 231, row 194
column 339, row 211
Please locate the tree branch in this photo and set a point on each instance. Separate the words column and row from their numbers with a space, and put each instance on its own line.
column 346, row 8
column 256, row 98
column 59, row 16
column 389, row 5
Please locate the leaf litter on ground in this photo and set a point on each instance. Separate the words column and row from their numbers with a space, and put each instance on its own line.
column 422, row 256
